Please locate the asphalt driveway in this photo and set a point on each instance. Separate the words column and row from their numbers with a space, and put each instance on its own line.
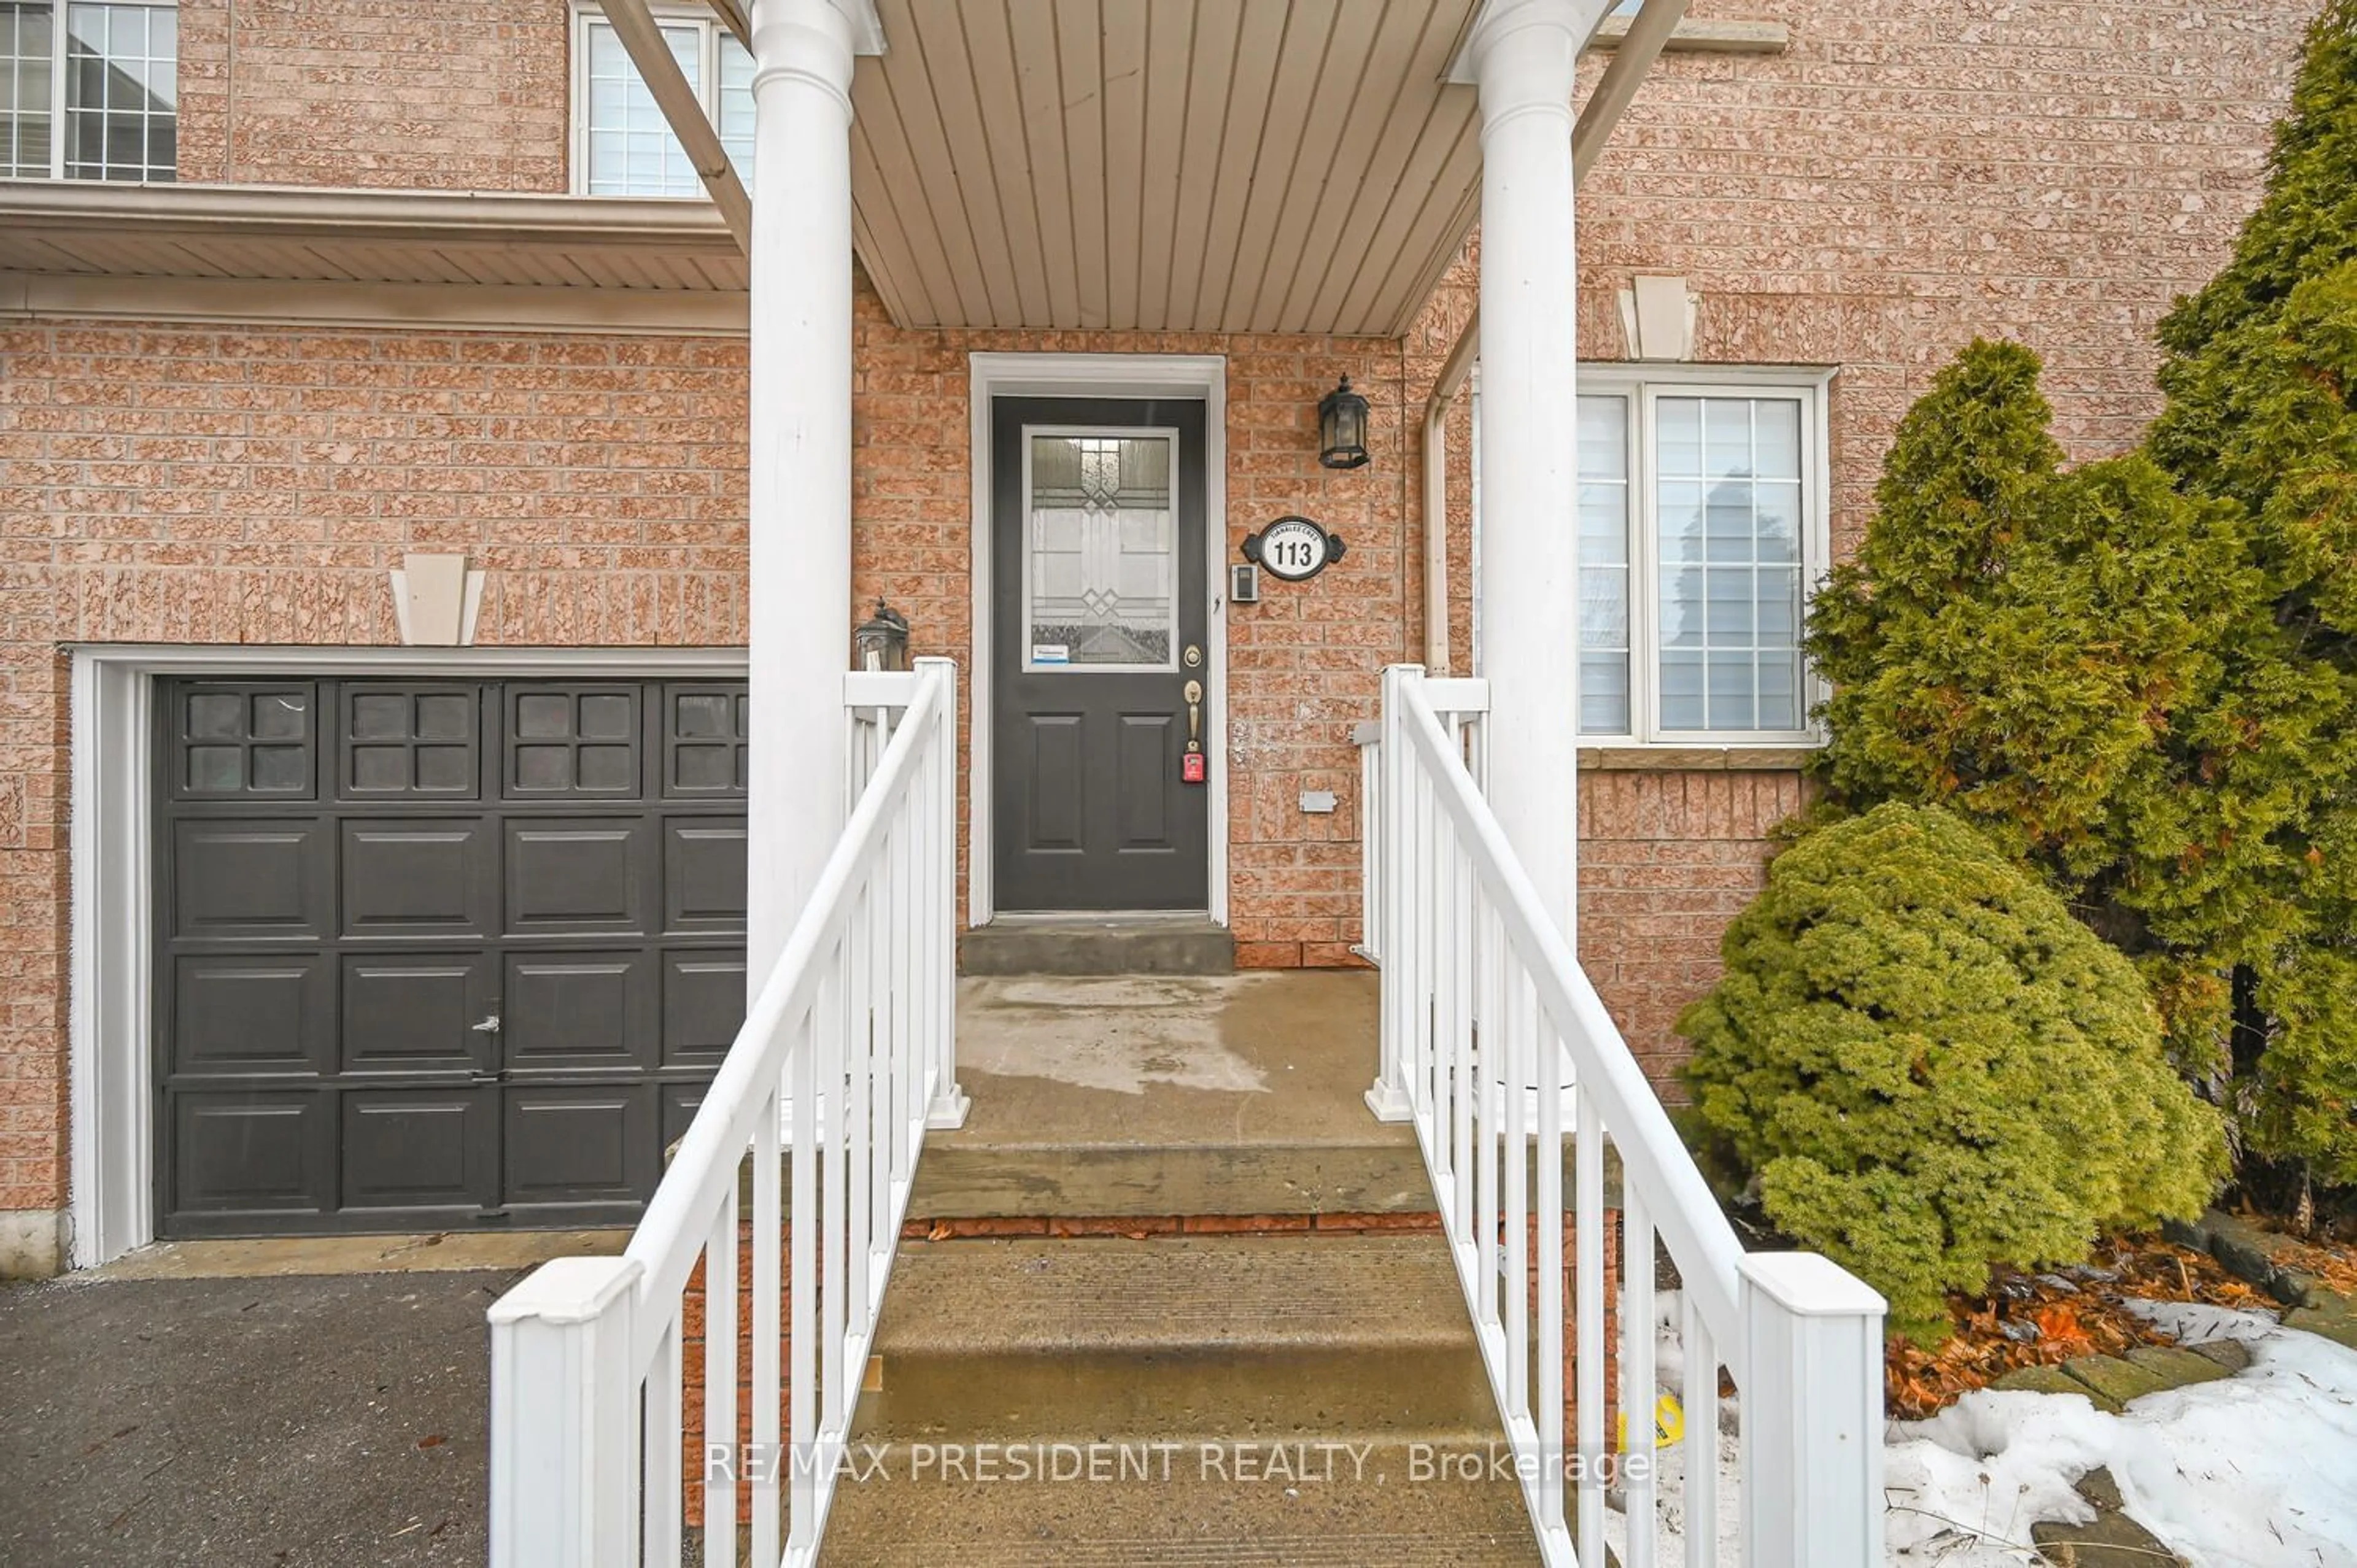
column 262, row 1420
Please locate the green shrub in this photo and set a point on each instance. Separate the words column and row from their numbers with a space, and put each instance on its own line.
column 1930, row 1067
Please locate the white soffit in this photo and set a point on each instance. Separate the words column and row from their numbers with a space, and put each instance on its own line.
column 69, row 228
column 1287, row 166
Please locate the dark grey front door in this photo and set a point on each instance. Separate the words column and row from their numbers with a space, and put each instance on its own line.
column 1098, row 612
column 439, row 954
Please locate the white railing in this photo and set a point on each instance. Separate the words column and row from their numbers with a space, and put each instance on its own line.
column 1481, row 998
column 846, row 1056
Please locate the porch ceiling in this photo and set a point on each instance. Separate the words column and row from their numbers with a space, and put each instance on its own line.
column 1288, row 166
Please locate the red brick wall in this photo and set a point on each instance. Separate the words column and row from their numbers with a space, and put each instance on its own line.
column 190, row 484
column 443, row 95
column 1906, row 175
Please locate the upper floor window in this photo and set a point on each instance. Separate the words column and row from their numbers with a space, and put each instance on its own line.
column 87, row 90
column 1702, row 530
column 622, row 146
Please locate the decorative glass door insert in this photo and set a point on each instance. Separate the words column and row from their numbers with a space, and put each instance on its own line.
column 1100, row 564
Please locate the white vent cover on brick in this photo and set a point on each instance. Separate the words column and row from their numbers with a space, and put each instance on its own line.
column 1657, row 319
column 435, row 599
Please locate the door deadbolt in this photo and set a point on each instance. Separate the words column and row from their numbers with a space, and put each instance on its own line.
column 1193, row 657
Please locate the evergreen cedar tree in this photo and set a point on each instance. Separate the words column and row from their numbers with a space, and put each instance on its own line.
column 1930, row 1065
column 2246, row 865
column 2137, row 679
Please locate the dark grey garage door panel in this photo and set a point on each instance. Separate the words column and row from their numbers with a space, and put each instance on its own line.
column 435, row 955
column 573, row 1012
column 573, row 741
column 570, row 874
column 419, row 1149
column 257, row 877
column 704, row 874
column 427, row 877
column 417, row 1012
column 242, row 740
column 704, row 741
column 578, row 1148
column 253, row 1015
column 410, row 741
column 703, row 1005
column 247, row 1154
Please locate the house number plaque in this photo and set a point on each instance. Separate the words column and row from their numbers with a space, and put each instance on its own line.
column 1293, row 549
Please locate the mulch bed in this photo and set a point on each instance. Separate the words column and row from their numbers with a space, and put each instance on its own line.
column 2036, row 1320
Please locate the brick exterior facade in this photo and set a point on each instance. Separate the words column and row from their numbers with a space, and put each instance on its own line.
column 455, row 95
column 1903, row 177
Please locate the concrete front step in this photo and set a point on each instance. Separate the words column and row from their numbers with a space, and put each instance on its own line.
column 1183, row 1522
column 1213, row 1400
column 1098, row 944
column 1179, row 1337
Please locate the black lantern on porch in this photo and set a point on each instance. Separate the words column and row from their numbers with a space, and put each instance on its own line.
column 882, row 641
column 1342, row 428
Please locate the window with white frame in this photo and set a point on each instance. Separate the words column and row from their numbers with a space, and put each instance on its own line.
column 622, row 146
column 87, row 90
column 1702, row 530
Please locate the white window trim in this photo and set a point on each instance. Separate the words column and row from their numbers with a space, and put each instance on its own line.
column 588, row 14
column 1644, row 385
column 57, row 42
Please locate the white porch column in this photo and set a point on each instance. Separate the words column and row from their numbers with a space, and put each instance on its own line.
column 1523, row 56
column 800, row 444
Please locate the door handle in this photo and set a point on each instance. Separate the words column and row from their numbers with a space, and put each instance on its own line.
column 487, row 1024
column 1194, row 715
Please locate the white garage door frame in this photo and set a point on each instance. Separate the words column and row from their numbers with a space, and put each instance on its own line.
column 113, row 1205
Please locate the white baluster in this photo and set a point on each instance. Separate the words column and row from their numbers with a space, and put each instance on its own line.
column 1588, row 1238
column 774, row 1464
column 720, row 1388
column 660, row 1452
column 1636, row 1395
column 1701, row 1395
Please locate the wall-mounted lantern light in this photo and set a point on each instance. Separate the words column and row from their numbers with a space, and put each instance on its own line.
column 882, row 641
column 1342, row 428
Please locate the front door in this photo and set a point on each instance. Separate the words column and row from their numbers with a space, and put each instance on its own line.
column 1098, row 655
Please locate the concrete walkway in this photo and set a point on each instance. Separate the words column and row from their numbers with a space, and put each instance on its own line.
column 249, row 1420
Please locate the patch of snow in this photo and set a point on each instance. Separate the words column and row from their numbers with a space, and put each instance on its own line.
column 2258, row 1470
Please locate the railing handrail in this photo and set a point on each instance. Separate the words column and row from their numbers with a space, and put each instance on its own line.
column 670, row 1235
column 1709, row 1252
column 1476, row 978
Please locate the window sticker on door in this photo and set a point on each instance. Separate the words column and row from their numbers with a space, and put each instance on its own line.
column 1051, row 653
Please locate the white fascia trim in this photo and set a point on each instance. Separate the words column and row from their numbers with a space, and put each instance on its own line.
column 996, row 374
column 337, row 659
column 112, row 1171
column 310, row 212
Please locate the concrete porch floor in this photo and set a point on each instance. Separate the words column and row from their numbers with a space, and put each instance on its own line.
column 1169, row 1095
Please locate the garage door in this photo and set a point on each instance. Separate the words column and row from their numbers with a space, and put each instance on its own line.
column 439, row 954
